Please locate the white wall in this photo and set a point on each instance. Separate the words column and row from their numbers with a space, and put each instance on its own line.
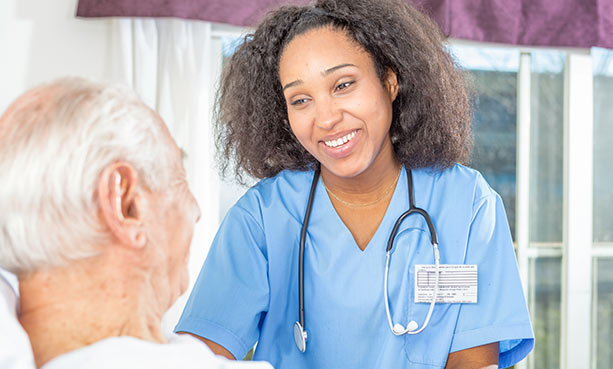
column 42, row 40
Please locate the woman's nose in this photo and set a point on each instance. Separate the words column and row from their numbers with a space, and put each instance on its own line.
column 328, row 115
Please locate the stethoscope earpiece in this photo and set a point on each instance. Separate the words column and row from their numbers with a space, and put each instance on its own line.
column 399, row 330
column 412, row 326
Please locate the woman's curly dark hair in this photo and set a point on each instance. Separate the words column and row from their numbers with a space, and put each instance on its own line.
column 431, row 124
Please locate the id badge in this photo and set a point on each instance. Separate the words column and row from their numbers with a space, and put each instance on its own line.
column 457, row 283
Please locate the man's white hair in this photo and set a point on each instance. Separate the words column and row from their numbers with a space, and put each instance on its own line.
column 55, row 141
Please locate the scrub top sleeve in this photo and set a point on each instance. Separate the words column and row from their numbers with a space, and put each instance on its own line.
column 231, row 294
column 501, row 314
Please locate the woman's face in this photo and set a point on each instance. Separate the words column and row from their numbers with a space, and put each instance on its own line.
column 337, row 106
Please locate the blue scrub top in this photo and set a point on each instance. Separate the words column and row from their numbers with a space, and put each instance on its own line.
column 247, row 290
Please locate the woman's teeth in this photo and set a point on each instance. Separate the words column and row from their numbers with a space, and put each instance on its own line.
column 341, row 141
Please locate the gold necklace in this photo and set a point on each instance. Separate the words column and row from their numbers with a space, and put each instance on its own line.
column 354, row 205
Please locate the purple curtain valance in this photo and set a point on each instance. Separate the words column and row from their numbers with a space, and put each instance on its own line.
column 556, row 23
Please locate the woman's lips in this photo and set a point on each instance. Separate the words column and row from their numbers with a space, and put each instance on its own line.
column 342, row 146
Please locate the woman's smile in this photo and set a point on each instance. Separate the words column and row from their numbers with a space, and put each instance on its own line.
column 340, row 141
column 342, row 146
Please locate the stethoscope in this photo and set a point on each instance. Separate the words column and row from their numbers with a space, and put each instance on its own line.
column 300, row 334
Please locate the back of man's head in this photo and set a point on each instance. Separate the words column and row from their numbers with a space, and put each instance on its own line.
column 54, row 142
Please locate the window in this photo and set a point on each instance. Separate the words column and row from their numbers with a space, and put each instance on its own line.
column 603, row 147
column 544, row 303
column 602, row 296
column 545, row 196
column 493, row 74
column 527, row 88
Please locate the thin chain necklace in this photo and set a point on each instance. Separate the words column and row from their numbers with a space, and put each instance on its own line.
column 354, row 205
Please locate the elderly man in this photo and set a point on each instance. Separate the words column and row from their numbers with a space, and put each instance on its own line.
column 96, row 222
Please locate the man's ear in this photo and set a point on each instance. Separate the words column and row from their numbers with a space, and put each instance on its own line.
column 120, row 204
column 391, row 83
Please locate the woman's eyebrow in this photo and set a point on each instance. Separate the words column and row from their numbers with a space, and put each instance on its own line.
column 324, row 73
column 292, row 84
column 330, row 70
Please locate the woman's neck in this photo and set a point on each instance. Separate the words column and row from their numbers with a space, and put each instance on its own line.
column 366, row 187
column 68, row 309
column 361, row 201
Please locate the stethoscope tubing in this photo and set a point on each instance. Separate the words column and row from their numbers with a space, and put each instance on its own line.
column 300, row 334
column 303, row 232
column 424, row 214
column 407, row 330
column 390, row 245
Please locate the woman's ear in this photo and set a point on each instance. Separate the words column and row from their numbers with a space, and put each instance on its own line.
column 120, row 204
column 391, row 83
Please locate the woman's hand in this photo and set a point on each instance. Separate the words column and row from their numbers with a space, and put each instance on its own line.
column 480, row 357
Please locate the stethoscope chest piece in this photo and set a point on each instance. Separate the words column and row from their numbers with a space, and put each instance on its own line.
column 300, row 336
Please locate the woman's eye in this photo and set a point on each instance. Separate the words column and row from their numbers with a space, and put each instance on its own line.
column 344, row 85
column 298, row 102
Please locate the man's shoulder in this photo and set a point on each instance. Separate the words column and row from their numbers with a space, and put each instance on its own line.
column 128, row 352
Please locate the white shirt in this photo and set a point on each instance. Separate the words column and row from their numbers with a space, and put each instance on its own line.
column 182, row 352
column 15, row 349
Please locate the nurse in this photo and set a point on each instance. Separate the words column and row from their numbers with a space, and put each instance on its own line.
column 363, row 94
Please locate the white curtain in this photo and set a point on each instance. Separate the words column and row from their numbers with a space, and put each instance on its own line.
column 173, row 65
